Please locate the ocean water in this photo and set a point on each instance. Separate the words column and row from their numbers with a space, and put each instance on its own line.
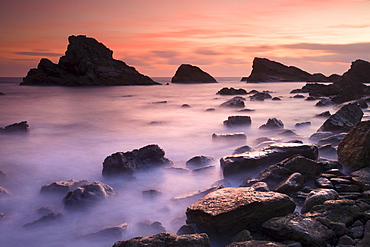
column 72, row 130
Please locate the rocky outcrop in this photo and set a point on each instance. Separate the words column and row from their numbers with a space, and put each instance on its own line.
column 63, row 186
column 354, row 148
column 187, row 73
column 127, row 163
column 85, row 63
column 167, row 239
column 359, row 72
column 21, row 127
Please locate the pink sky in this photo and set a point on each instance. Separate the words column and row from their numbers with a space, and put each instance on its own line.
column 221, row 37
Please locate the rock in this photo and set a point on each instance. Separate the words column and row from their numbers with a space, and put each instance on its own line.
column 147, row 228
column 236, row 102
column 111, row 233
column 21, row 127
column 87, row 195
column 203, row 169
column 151, row 194
column 63, row 186
column 362, row 178
column 344, row 119
column 45, row 220
column 345, row 241
column 257, row 243
column 298, row 96
column 324, row 183
column 230, row 136
column 318, row 197
column 318, row 77
column 242, row 236
column 292, row 184
column 276, row 98
column 241, row 163
column 196, row 195
column 231, row 91
column 354, row 148
column 324, row 102
column 265, row 70
column 165, row 239
column 4, row 192
column 86, row 63
column 2, row 216
column 199, row 161
column 272, row 123
column 365, row 241
column 187, row 73
column 322, row 90
column 243, row 149
column 333, row 139
column 302, row 124
column 288, row 133
column 187, row 229
column 307, row 231
column 228, row 211
column 310, row 98
column 260, row 96
column 362, row 103
column 150, row 156
column 235, row 121
column 359, row 72
column 213, row 109
column 299, row 90
column 356, row 230
column 324, row 114
column 315, row 137
column 1, row 93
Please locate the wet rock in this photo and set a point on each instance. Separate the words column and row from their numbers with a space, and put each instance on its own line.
column 345, row 241
column 87, row 195
column 4, row 192
column 185, row 106
column 196, row 195
column 324, row 114
column 242, row 236
column 235, row 121
column 356, row 230
column 257, row 243
column 315, row 137
column 310, row 98
column 240, row 163
column 354, row 148
column 365, row 241
column 324, row 183
column 63, row 186
column 245, row 110
column 230, row 136
column 187, row 73
column 318, row 197
column 203, row 169
column 231, row 91
column 199, row 161
column 110, row 233
column 272, row 123
column 236, row 102
column 210, row 109
column 307, row 231
column 362, row 178
column 324, row 102
column 45, row 220
column 167, row 239
column 298, row 96
column 287, row 133
column 151, row 194
column 127, row 163
column 333, row 139
column 302, row 124
column 292, row 184
column 344, row 119
column 228, row 211
column 261, row 96
column 243, row 149
column 21, row 127
column 275, row 98
column 299, row 90
column 187, row 229
column 85, row 63
column 147, row 228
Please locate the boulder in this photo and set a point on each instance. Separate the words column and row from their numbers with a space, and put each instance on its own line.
column 187, row 73
column 20, row 127
column 325, row 114
column 235, row 121
column 333, row 139
column 196, row 195
column 243, row 149
column 199, row 161
column 365, row 241
column 151, row 194
column 260, row 96
column 165, row 239
column 63, row 186
column 231, row 91
column 87, row 195
column 45, row 220
column 307, row 231
column 241, row 163
column 324, row 102
column 85, row 63
column 110, row 233
column 292, row 184
column 317, row 197
column 362, row 178
column 127, row 163
column 354, row 148
column 272, row 123
column 236, row 102
column 228, row 211
column 344, row 119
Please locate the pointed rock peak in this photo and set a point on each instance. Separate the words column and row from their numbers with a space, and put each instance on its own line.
column 187, row 73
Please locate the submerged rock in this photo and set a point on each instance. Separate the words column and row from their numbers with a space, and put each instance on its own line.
column 199, row 161
column 4, row 192
column 235, row 121
column 187, row 73
column 85, row 63
column 20, row 127
column 110, row 233
column 236, row 102
column 272, row 123
column 147, row 228
column 230, row 136
column 45, row 220
column 196, row 195
column 232, row 91
column 63, row 186
column 260, row 96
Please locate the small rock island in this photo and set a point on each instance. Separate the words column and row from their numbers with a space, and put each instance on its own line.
column 86, row 62
column 187, row 73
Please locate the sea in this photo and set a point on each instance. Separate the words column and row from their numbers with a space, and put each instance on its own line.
column 73, row 129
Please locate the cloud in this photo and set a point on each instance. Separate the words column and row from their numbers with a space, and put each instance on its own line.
column 234, row 61
column 207, row 51
column 38, row 54
column 166, row 54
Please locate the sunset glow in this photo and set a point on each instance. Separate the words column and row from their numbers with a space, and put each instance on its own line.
column 221, row 37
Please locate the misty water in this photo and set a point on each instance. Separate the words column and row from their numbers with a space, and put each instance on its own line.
column 72, row 130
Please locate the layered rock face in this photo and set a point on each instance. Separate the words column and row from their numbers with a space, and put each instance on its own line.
column 85, row 63
column 187, row 73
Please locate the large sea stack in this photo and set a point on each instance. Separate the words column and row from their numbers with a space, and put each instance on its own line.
column 187, row 73
column 85, row 63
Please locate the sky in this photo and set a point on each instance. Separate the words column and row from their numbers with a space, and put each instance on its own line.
column 221, row 37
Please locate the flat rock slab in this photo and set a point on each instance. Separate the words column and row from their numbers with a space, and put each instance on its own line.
column 227, row 211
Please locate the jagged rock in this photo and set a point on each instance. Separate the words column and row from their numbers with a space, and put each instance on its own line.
column 236, row 102
column 307, row 231
column 241, row 163
column 243, row 149
column 359, row 72
column 260, row 96
column 362, row 178
column 230, row 136
column 232, row 91
column 318, row 197
column 228, row 211
column 86, row 63
column 167, row 239
column 324, row 114
column 16, row 128
column 187, row 73
column 272, row 123
column 234, row 121
column 45, row 220
column 127, row 163
column 292, row 184
column 87, row 195
column 344, row 119
column 265, row 70
column 63, row 186
column 257, row 243
column 199, row 161
column 110, row 233
column 354, row 148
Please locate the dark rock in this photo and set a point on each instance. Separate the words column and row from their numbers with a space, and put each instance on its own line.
column 344, row 119
column 86, row 63
column 235, row 121
column 213, row 109
column 242, row 236
column 187, row 229
column 333, row 139
column 185, row 106
column 111, row 233
column 292, row 184
column 298, row 96
column 236, row 102
column 315, row 137
column 243, row 149
column 324, row 102
column 16, row 128
column 365, row 241
column 150, row 156
column 276, row 98
column 320, row 90
column 334, row 77
column 196, row 195
column 231, row 91
column 187, row 73
column 4, row 192
column 264, row 70
column 287, row 133
column 87, row 195
column 203, row 169
column 63, row 186
column 318, row 77
column 356, row 230
column 160, row 102
column 2, row 216
column 318, row 197
column 359, row 72
column 354, row 148
column 307, row 231
column 324, row 183
column 345, row 241
column 256, row 243
column 299, row 90
column 362, row 178
column 260, row 96
column 45, row 220
column 165, row 239
column 240, row 163
column 245, row 110
column 229, row 136
column 302, row 124
column 1, row 93
column 310, row 98
column 199, row 161
column 272, row 123
column 151, row 194
column 228, row 211
column 324, row 114
column 147, row 228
